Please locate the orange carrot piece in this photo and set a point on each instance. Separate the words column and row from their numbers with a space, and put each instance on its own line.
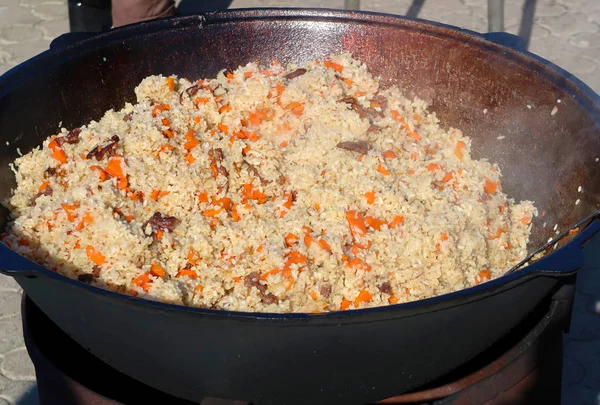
column 166, row 148
column 171, row 83
column 483, row 275
column 375, row 223
column 193, row 257
column 85, row 221
column 157, row 271
column 197, row 119
column 115, row 167
column 359, row 264
column 57, row 152
column 224, row 202
column 348, row 82
column 499, row 233
column 249, row 192
column 142, row 281
column 94, row 255
column 370, row 196
column 268, row 273
column 459, row 149
column 213, row 212
column 198, row 289
column 189, row 158
column 280, row 89
column 201, row 100
column 224, row 109
column 526, row 220
column 397, row 221
column 433, row 167
column 332, row 65
column 291, row 239
column 356, row 223
column 448, row 177
column 187, row 272
column 393, row 300
column 323, row 243
column 296, row 108
column 381, row 169
column 203, row 196
column 223, row 128
column 345, row 304
column 390, row 154
column 43, row 187
column 418, row 118
column 363, row 296
column 245, row 150
column 235, row 214
column 490, row 187
column 69, row 210
column 229, row 75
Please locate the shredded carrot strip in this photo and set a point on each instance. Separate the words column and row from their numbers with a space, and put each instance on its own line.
column 189, row 158
column 291, row 239
column 187, row 272
column 171, row 83
column 345, row 304
column 94, row 255
column 396, row 222
column 43, row 187
column 359, row 264
column 201, row 100
column 393, row 300
column 85, row 221
column 459, row 149
column 164, row 149
column 203, row 197
column 525, row 220
column 223, row 128
column 251, row 136
column 332, row 65
column 433, row 167
column 157, row 271
column 160, row 107
column 381, row 169
column 212, row 212
column 499, row 233
column 57, row 152
column 363, row 296
column 370, row 196
column 249, row 192
column 297, row 108
column 448, row 177
column 115, row 168
column 483, row 276
column 225, row 109
column 69, row 208
column 234, row 213
column 375, row 223
column 490, row 187
column 192, row 142
column 390, row 154
column 142, row 281
column 268, row 273
column 356, row 223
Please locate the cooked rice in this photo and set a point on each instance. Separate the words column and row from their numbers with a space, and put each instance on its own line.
column 251, row 159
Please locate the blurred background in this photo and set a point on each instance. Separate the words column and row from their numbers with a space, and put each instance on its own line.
column 562, row 31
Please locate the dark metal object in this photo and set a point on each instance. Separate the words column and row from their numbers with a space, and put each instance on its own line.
column 523, row 368
column 335, row 357
column 89, row 15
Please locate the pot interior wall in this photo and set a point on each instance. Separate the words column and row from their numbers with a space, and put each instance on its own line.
column 544, row 157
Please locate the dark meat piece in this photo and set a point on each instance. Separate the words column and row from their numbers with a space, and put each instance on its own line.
column 295, row 73
column 127, row 117
column 270, row 298
column 96, row 270
column 47, row 191
column 381, row 100
column 385, row 287
column 255, row 171
column 192, row 90
column 374, row 128
column 325, row 290
column 108, row 150
column 359, row 109
column 159, row 221
column 253, row 280
column 361, row 147
column 85, row 278
column 51, row 171
column 72, row 137
column 216, row 157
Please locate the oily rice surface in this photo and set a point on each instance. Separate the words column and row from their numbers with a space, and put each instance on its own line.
column 268, row 189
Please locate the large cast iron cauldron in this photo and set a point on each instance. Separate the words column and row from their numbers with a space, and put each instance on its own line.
column 355, row 356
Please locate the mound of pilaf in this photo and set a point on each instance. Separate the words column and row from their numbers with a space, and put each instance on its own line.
column 268, row 189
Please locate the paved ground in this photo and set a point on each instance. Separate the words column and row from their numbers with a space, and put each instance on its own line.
column 565, row 32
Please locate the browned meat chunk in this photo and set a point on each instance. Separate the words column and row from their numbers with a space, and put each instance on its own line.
column 325, row 290
column 295, row 73
column 159, row 221
column 109, row 149
column 361, row 147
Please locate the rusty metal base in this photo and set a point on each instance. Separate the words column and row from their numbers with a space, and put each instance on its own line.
column 525, row 368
